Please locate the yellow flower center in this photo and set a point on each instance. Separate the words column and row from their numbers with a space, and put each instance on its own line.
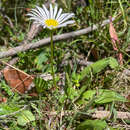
column 51, row 23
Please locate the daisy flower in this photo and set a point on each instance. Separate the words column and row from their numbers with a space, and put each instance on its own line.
column 52, row 18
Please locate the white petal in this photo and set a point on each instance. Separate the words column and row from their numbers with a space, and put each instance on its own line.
column 46, row 11
column 35, row 17
column 51, row 12
column 62, row 17
column 59, row 13
column 38, row 24
column 55, row 11
column 65, row 24
column 37, row 20
column 34, row 14
column 66, row 18
column 41, row 11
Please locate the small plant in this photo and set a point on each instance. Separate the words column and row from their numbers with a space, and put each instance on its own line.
column 51, row 19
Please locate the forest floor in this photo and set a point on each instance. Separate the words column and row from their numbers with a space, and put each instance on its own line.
column 91, row 66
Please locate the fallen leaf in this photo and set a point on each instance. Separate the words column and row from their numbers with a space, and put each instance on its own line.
column 113, row 35
column 115, row 40
column 18, row 81
column 3, row 99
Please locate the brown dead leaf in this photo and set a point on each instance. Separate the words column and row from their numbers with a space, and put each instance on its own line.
column 3, row 99
column 113, row 35
column 18, row 81
column 115, row 40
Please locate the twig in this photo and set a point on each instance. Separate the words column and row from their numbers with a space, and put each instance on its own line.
column 46, row 41
column 96, row 114
column 84, row 62
column 34, row 30
column 103, row 114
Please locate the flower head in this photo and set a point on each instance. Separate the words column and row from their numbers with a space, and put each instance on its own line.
column 52, row 18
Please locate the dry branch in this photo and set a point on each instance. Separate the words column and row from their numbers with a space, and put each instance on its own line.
column 43, row 42
column 106, row 114
column 97, row 114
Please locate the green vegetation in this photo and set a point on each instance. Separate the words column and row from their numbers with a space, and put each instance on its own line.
column 88, row 73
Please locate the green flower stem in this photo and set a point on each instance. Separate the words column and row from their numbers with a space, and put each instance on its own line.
column 52, row 59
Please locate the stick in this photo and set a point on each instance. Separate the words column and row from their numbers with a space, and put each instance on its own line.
column 104, row 114
column 96, row 114
column 43, row 42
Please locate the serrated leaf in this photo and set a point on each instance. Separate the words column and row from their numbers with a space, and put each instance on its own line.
column 98, row 67
column 113, row 63
column 25, row 117
column 6, row 109
column 92, row 125
column 104, row 96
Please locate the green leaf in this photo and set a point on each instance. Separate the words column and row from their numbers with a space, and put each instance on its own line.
column 6, row 88
column 92, row 125
column 126, row 44
column 113, row 63
column 6, row 109
column 42, row 57
column 25, row 117
column 98, row 67
column 71, row 92
column 62, row 98
column 104, row 96
column 40, row 84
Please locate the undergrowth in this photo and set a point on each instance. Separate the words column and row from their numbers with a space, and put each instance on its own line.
column 81, row 90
